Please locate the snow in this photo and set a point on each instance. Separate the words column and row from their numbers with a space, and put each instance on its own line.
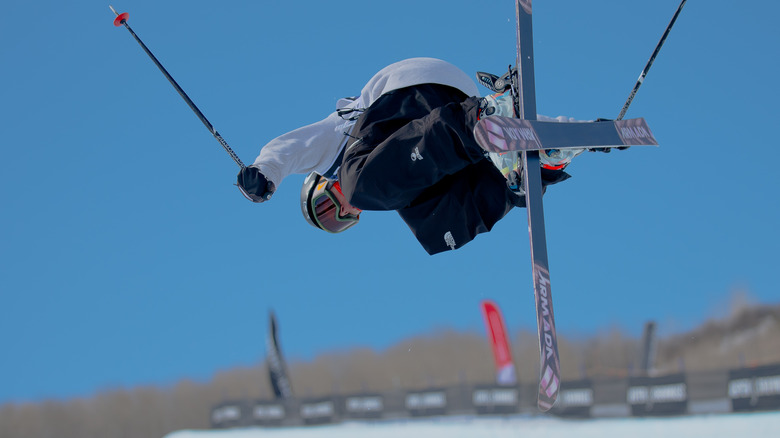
column 754, row 425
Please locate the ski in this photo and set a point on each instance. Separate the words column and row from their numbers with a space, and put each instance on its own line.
column 502, row 134
column 525, row 108
column 527, row 136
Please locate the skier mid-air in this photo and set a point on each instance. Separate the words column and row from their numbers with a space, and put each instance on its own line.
column 419, row 140
column 406, row 143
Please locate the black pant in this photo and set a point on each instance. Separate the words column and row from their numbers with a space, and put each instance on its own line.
column 407, row 141
column 413, row 151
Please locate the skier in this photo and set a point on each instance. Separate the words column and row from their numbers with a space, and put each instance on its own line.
column 406, row 143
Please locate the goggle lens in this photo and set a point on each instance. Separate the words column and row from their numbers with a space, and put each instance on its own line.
column 327, row 211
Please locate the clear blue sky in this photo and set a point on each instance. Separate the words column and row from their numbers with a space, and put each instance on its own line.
column 127, row 256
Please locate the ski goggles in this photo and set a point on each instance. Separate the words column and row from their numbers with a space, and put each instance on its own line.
column 329, row 209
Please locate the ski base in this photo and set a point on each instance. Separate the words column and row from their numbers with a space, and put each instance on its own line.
column 502, row 134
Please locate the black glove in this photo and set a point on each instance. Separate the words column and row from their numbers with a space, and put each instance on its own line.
column 254, row 185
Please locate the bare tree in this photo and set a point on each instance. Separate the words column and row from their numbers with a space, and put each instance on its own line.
column 749, row 335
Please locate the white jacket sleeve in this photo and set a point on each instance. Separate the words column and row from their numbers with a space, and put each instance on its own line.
column 312, row 148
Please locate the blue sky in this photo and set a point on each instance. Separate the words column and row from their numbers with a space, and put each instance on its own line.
column 127, row 256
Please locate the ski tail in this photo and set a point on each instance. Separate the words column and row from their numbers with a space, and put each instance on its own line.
column 550, row 366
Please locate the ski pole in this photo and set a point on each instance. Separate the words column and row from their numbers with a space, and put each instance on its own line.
column 650, row 62
column 121, row 19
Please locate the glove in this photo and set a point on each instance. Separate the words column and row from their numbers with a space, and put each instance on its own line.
column 254, row 185
column 606, row 150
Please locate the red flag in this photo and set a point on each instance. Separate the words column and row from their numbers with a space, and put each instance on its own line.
column 505, row 368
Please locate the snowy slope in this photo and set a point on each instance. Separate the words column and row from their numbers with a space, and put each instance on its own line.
column 755, row 425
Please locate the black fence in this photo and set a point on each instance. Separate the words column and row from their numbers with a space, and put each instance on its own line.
column 755, row 389
column 747, row 389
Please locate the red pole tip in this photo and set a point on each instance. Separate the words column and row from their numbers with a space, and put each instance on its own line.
column 121, row 18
